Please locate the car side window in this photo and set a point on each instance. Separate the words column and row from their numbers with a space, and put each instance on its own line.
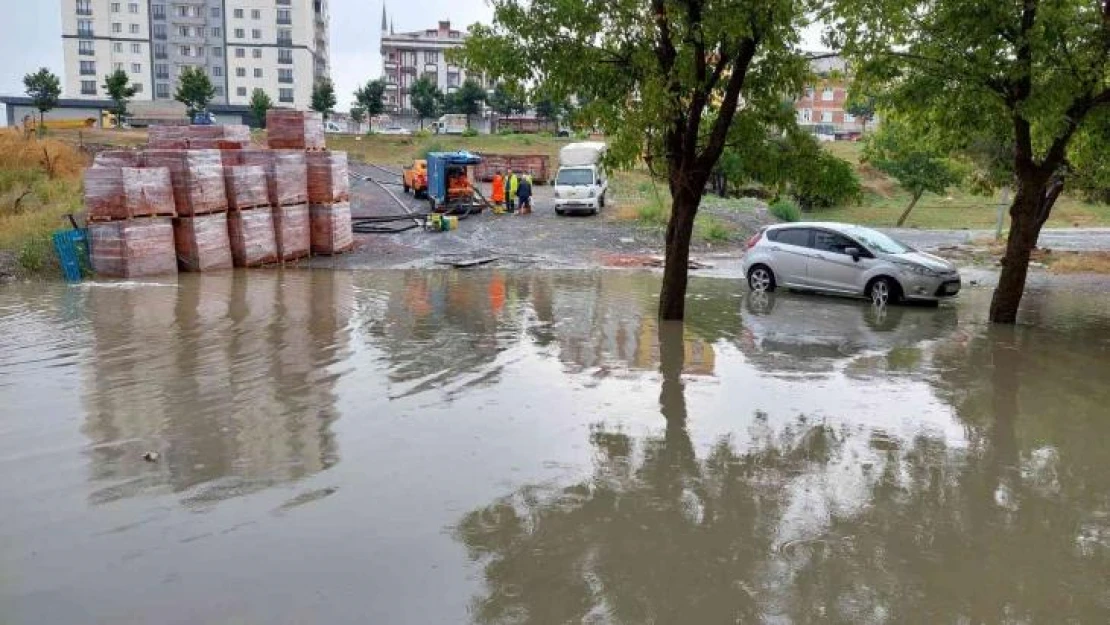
column 831, row 242
column 792, row 236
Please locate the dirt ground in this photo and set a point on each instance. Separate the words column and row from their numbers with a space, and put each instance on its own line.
column 541, row 239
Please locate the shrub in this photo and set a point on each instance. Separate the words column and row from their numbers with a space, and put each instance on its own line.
column 711, row 229
column 785, row 210
column 653, row 214
column 824, row 181
column 470, row 132
column 504, row 132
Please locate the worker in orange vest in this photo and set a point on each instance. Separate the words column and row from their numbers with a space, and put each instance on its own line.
column 498, row 195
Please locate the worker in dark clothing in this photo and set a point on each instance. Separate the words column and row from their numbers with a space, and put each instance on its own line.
column 524, row 194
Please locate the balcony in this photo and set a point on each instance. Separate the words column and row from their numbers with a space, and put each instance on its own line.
column 86, row 52
column 285, row 43
column 84, row 12
column 162, row 76
column 85, row 34
column 285, row 21
column 286, row 80
column 88, row 72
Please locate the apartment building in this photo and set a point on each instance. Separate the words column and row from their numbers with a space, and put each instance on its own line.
column 280, row 46
column 410, row 55
column 822, row 107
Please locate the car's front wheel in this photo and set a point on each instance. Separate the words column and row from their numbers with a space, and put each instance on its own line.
column 761, row 279
column 884, row 291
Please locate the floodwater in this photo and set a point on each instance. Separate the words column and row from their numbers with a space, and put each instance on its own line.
column 532, row 447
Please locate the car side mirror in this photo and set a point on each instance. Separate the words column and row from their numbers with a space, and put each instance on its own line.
column 854, row 252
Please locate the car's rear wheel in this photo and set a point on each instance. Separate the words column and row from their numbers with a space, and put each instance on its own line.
column 884, row 291
column 761, row 279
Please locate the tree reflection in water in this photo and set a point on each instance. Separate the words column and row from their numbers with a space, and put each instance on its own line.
column 986, row 534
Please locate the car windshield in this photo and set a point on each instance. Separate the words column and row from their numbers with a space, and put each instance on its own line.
column 575, row 177
column 879, row 242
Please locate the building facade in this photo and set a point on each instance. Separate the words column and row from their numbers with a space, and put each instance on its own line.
column 410, row 55
column 822, row 107
column 279, row 46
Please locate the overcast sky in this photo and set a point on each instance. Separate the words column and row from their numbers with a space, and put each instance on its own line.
column 30, row 36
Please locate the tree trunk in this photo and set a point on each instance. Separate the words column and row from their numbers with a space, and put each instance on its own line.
column 1032, row 202
column 906, row 213
column 684, row 207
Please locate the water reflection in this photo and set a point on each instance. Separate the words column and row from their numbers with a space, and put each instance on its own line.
column 227, row 375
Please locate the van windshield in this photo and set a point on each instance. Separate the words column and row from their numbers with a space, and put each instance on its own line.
column 575, row 177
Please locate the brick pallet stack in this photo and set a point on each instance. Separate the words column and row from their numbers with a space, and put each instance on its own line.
column 250, row 223
column 129, row 211
column 200, row 230
column 287, row 186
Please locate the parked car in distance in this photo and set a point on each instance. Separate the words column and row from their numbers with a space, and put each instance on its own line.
column 332, row 127
column 394, row 130
column 843, row 259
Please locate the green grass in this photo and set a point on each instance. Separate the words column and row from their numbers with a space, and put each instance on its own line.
column 709, row 228
column 786, row 210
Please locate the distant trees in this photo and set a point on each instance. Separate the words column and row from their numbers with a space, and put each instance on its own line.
column 426, row 98
column 467, row 99
column 507, row 99
column 918, row 167
column 119, row 89
column 371, row 98
column 358, row 115
column 194, row 90
column 260, row 104
column 44, row 89
column 323, row 97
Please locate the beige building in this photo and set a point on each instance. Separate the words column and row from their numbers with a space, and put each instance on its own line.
column 408, row 56
column 280, row 46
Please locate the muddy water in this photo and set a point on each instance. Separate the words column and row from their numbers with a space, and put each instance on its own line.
column 449, row 447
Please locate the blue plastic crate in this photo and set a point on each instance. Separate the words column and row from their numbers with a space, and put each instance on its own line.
column 73, row 252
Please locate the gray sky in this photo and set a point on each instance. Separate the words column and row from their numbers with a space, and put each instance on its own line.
column 30, row 36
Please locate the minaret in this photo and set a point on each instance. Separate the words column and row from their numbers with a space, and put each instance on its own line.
column 385, row 22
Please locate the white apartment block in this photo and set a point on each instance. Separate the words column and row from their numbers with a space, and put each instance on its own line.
column 279, row 46
column 407, row 56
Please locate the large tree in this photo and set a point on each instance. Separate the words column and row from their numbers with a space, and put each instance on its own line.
column 468, row 99
column 194, row 90
column 120, row 91
column 507, row 98
column 426, row 98
column 323, row 97
column 358, row 115
column 260, row 104
column 371, row 97
column 44, row 89
column 918, row 167
column 662, row 78
column 1031, row 74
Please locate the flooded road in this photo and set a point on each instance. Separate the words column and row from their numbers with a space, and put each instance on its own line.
column 533, row 447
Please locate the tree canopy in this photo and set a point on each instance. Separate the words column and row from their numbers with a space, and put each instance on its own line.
column 44, row 89
column 426, row 98
column 663, row 79
column 260, row 104
column 507, row 99
column 1033, row 75
column 194, row 90
column 371, row 97
column 918, row 167
column 358, row 115
column 119, row 89
column 323, row 97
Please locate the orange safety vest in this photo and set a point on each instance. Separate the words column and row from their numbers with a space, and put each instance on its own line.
column 498, row 189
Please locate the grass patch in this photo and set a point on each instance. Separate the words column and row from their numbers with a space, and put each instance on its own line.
column 709, row 228
column 653, row 214
column 1080, row 262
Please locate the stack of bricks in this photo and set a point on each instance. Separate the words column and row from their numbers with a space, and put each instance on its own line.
column 329, row 202
column 129, row 209
column 200, row 194
column 287, row 191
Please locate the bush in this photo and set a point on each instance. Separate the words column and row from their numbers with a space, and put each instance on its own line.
column 470, row 132
column 786, row 210
column 824, row 181
column 711, row 229
column 505, row 132
column 653, row 214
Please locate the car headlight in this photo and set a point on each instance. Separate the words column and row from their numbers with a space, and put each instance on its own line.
column 921, row 271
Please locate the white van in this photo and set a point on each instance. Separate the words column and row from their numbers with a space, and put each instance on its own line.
column 581, row 183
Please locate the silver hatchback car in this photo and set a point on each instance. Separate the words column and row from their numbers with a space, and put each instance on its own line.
column 843, row 259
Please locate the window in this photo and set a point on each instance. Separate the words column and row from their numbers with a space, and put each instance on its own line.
column 83, row 7
column 162, row 71
column 285, row 95
column 285, row 75
column 115, row 7
column 138, row 87
column 117, row 47
column 136, row 68
column 238, row 14
column 826, row 117
column 256, row 14
column 84, row 28
column 256, row 33
column 159, row 31
column 215, row 11
column 217, row 32
column 827, row 94
column 240, row 91
column 133, row 29
column 133, row 7
column 217, row 71
column 256, row 53
column 806, row 115
column 217, row 51
column 240, row 33
column 284, row 16
column 849, row 118
column 431, row 56
column 285, row 57
column 790, row 236
column 117, row 67
column 162, row 90
column 219, row 90
column 809, row 92
column 88, row 87
column 136, row 48
column 182, row 11
column 831, row 242
column 284, row 37
column 258, row 72
column 186, row 50
column 85, row 48
column 241, row 72
column 117, row 27
column 158, row 11
column 88, row 68
column 160, row 51
column 240, row 53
